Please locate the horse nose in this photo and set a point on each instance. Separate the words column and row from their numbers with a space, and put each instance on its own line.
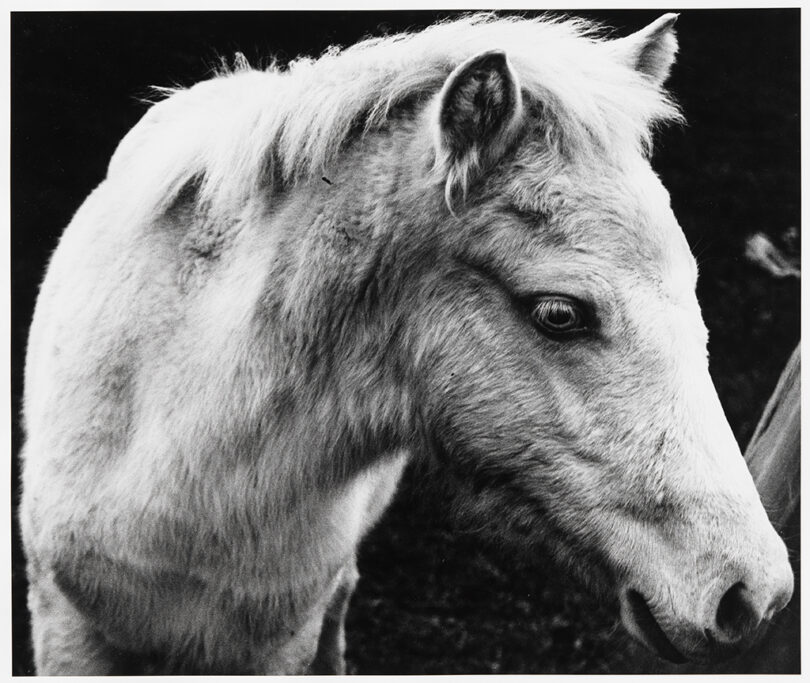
column 739, row 616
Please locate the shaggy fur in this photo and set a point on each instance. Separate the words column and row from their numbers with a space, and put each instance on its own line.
column 232, row 359
column 231, row 132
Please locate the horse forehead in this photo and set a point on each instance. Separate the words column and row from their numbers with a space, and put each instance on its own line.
column 656, row 225
column 622, row 215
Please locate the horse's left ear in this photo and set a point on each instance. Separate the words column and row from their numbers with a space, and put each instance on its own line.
column 651, row 51
column 478, row 108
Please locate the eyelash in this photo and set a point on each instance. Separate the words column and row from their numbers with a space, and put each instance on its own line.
column 574, row 318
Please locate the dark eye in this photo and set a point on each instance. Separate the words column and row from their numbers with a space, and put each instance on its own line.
column 559, row 315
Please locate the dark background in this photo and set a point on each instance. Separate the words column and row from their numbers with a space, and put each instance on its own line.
column 432, row 600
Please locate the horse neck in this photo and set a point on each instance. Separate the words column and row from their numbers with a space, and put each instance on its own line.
column 333, row 309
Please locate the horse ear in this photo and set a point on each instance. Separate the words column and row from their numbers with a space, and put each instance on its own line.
column 650, row 51
column 478, row 108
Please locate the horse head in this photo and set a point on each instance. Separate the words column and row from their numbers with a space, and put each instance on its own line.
column 564, row 358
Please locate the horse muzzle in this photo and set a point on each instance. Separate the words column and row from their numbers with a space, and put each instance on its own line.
column 727, row 625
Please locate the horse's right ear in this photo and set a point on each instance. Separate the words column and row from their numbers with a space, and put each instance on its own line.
column 478, row 109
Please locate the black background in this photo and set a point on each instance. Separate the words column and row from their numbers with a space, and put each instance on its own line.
column 432, row 601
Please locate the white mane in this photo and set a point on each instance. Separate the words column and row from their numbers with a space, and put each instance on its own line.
column 229, row 132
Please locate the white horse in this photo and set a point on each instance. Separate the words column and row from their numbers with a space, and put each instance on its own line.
column 441, row 245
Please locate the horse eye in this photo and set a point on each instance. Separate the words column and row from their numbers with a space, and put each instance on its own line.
column 558, row 315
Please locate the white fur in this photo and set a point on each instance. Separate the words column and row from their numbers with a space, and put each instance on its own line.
column 226, row 130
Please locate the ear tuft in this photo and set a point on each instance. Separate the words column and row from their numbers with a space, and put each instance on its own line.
column 478, row 107
column 650, row 51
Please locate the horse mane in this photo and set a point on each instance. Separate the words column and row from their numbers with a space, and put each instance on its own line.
column 236, row 131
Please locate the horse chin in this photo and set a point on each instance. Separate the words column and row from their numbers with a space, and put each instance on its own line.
column 640, row 622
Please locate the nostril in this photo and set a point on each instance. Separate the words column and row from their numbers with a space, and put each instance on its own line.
column 736, row 615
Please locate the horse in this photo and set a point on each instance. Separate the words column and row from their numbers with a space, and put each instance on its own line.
column 444, row 246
